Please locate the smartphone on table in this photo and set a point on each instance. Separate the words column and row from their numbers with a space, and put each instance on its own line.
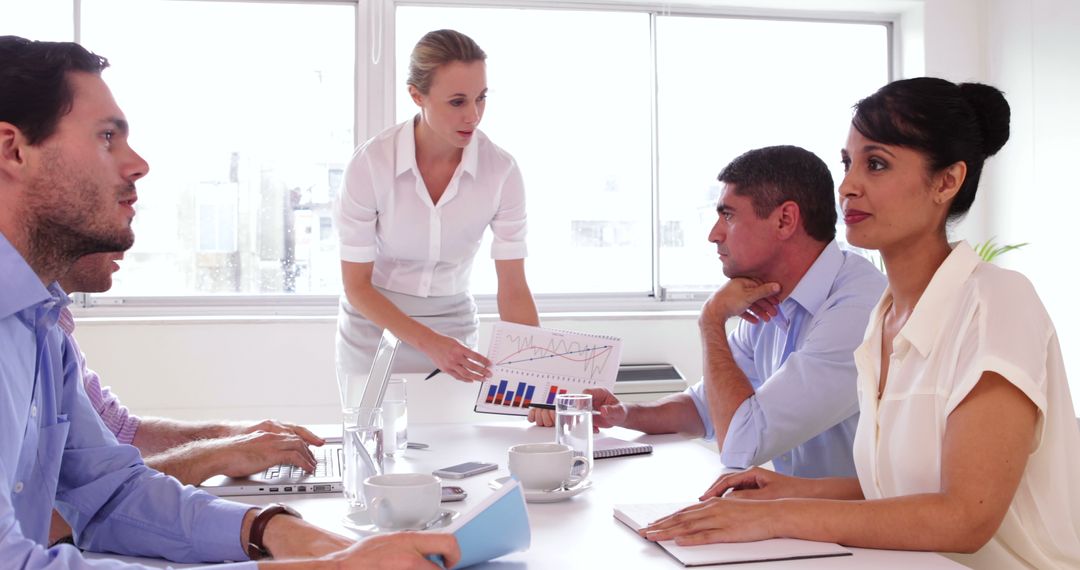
column 463, row 470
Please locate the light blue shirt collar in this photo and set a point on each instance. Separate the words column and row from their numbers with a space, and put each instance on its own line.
column 812, row 290
column 21, row 287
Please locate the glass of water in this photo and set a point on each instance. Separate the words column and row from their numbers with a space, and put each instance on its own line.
column 573, row 427
column 395, row 418
column 362, row 435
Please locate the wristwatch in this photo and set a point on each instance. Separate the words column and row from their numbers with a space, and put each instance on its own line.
column 255, row 549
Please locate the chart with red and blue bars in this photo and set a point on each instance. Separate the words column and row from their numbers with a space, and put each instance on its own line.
column 533, row 365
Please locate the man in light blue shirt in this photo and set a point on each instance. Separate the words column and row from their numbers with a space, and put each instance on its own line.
column 781, row 386
column 67, row 187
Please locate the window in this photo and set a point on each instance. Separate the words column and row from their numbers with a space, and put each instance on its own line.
column 247, row 130
column 759, row 83
column 575, row 114
column 46, row 20
column 620, row 118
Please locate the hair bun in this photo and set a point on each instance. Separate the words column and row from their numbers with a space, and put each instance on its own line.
column 992, row 112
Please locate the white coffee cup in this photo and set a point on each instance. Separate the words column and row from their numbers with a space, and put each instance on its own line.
column 402, row 500
column 545, row 466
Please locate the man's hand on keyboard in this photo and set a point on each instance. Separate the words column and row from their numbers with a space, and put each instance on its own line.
column 274, row 426
column 235, row 456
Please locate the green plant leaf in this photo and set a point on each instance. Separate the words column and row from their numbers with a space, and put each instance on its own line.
column 989, row 250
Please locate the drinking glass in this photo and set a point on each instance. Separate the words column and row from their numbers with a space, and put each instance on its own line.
column 395, row 418
column 362, row 434
column 573, row 427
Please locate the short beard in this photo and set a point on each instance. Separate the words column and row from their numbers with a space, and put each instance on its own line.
column 54, row 246
column 59, row 225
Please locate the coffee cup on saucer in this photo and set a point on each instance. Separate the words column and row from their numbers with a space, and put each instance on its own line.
column 398, row 501
column 546, row 466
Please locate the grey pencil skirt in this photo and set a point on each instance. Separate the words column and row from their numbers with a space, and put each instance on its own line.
column 357, row 337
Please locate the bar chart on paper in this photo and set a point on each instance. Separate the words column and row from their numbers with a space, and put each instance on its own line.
column 533, row 365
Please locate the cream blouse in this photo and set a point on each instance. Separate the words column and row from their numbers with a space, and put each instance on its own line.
column 973, row 317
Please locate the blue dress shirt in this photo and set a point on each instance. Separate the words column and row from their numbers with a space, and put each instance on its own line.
column 801, row 365
column 55, row 452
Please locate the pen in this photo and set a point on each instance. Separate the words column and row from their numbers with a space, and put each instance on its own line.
column 436, row 371
column 552, row 407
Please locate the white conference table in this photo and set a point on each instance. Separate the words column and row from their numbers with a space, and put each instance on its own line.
column 581, row 532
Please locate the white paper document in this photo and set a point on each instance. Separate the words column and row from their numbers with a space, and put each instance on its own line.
column 640, row 515
column 533, row 364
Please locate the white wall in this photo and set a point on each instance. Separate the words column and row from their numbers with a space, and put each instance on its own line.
column 1032, row 52
column 283, row 367
column 251, row 368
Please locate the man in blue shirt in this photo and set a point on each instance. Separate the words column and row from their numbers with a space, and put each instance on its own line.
column 781, row 386
column 67, row 187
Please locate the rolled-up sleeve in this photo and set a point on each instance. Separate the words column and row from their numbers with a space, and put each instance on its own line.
column 508, row 226
column 120, row 421
column 812, row 391
column 356, row 212
column 739, row 343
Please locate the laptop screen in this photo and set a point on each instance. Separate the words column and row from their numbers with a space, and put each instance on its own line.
column 381, row 366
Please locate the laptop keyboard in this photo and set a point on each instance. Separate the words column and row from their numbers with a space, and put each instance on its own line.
column 329, row 460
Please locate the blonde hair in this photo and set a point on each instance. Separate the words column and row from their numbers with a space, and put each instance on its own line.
column 436, row 49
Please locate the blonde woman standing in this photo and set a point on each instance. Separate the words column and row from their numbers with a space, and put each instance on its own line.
column 414, row 205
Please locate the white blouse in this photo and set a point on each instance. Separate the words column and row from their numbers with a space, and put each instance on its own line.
column 385, row 214
column 973, row 317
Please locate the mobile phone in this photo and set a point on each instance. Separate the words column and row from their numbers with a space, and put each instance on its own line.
column 463, row 470
column 451, row 493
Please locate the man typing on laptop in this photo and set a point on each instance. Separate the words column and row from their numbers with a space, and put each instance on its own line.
column 190, row 451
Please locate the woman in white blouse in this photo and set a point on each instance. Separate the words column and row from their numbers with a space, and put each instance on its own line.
column 967, row 441
column 415, row 203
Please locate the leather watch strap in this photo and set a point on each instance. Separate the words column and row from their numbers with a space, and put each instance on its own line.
column 256, row 550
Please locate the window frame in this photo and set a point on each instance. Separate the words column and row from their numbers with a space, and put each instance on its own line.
column 375, row 77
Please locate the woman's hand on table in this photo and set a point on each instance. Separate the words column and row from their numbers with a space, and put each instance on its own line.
column 757, row 483
column 715, row 520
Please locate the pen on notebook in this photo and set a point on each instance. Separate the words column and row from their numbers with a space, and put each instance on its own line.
column 433, row 373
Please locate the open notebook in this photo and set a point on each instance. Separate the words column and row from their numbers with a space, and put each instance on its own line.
column 638, row 516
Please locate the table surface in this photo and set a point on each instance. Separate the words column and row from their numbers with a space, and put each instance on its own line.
column 581, row 532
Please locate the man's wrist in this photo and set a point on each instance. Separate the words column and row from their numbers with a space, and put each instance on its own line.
column 265, row 537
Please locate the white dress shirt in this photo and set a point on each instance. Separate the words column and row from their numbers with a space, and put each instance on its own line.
column 973, row 318
column 386, row 215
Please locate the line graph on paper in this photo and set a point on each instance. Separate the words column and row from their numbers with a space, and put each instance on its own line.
column 555, row 356
column 533, row 365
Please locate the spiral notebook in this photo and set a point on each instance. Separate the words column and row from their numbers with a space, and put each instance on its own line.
column 605, row 447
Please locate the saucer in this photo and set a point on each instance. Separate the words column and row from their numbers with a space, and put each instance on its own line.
column 360, row 521
column 536, row 496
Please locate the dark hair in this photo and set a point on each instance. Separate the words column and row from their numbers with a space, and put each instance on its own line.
column 773, row 175
column 436, row 49
column 946, row 122
column 34, row 90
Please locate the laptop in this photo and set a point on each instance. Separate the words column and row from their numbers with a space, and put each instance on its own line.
column 328, row 475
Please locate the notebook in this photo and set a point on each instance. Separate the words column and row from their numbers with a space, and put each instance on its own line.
column 503, row 515
column 640, row 515
column 605, row 447
column 328, row 475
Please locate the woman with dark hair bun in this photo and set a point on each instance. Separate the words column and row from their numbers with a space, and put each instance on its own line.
column 967, row 441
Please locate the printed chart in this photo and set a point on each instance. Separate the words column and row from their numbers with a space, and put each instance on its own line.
column 533, row 365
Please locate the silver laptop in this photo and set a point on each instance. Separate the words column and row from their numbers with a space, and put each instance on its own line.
column 328, row 473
